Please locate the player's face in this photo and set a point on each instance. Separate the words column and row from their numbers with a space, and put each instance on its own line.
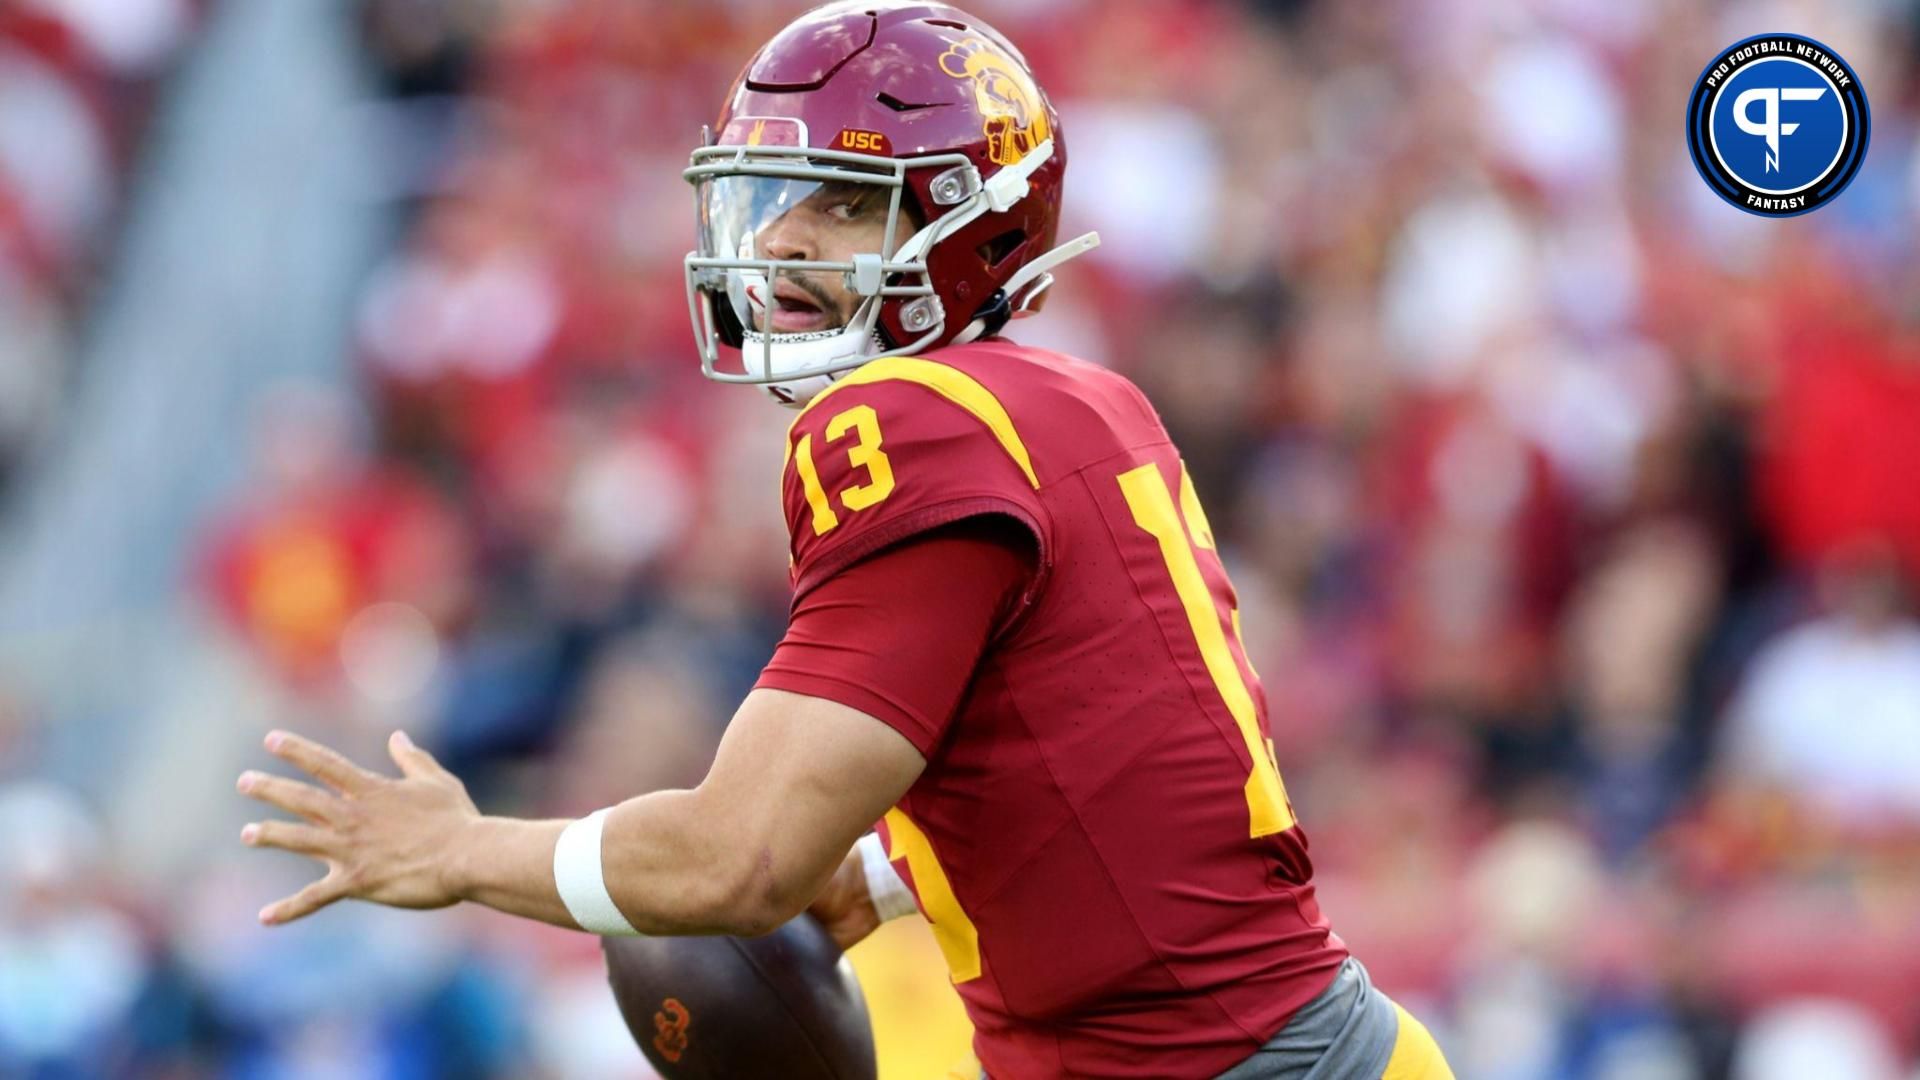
column 760, row 217
column 833, row 224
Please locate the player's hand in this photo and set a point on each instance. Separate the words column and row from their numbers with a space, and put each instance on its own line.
column 844, row 907
column 385, row 839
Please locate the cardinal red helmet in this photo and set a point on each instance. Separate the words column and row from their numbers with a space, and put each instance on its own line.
column 920, row 104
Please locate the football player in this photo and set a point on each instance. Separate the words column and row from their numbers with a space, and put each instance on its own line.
column 1012, row 643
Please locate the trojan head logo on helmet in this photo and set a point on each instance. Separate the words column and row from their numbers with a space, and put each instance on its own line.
column 885, row 180
column 1003, row 91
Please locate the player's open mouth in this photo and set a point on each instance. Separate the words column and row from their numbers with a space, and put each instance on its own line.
column 796, row 311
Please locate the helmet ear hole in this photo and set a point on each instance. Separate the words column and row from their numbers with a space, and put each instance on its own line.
column 912, row 216
column 1000, row 248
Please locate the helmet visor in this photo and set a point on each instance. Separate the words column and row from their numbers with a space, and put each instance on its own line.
column 785, row 247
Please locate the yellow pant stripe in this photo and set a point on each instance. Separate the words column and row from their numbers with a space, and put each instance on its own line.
column 1415, row 1055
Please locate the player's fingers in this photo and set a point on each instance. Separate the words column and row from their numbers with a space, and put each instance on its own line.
column 305, row 902
column 290, row 795
column 323, row 763
column 414, row 762
column 289, row 836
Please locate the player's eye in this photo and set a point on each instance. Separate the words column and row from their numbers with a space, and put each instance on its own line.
column 851, row 205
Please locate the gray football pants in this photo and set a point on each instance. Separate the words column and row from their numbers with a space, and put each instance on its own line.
column 1347, row 1033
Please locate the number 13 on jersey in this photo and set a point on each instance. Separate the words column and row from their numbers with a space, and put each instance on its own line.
column 1154, row 512
column 865, row 453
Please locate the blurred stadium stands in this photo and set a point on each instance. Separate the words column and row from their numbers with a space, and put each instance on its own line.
column 345, row 383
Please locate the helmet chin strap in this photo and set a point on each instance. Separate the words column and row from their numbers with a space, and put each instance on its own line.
column 1039, row 266
column 1033, row 272
column 806, row 356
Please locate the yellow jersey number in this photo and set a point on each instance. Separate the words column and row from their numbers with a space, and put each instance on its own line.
column 1179, row 529
column 865, row 453
column 1145, row 489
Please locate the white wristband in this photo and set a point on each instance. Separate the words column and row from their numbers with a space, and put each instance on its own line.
column 890, row 895
column 582, row 885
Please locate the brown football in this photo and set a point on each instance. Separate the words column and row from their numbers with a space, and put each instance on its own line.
column 785, row 1005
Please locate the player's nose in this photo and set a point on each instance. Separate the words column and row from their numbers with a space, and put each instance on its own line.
column 789, row 236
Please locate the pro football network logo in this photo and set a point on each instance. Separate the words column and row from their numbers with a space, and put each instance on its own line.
column 1778, row 125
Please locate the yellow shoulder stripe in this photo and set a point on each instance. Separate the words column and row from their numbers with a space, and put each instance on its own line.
column 950, row 383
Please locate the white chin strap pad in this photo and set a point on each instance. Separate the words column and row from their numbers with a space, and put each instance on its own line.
column 805, row 355
column 795, row 393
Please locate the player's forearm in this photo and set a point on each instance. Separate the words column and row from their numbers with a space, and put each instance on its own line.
column 507, row 864
column 666, row 865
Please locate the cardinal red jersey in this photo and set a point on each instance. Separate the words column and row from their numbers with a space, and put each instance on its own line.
column 1101, row 838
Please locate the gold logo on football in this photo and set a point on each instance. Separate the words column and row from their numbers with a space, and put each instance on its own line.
column 670, row 1029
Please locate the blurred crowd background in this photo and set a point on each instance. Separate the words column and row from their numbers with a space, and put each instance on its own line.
column 345, row 384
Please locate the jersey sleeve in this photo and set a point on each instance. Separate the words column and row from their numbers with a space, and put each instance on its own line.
column 898, row 635
column 901, row 447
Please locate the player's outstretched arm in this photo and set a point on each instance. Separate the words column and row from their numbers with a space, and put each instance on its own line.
column 796, row 781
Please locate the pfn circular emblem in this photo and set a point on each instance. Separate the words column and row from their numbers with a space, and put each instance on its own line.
column 1778, row 125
